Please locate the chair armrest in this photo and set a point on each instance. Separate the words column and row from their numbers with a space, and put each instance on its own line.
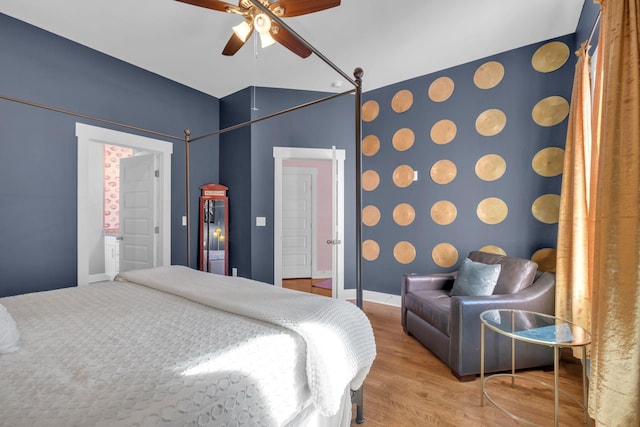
column 412, row 282
column 465, row 317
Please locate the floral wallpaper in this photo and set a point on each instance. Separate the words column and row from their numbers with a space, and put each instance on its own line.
column 112, row 156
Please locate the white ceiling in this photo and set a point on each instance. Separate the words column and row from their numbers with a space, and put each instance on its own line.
column 391, row 40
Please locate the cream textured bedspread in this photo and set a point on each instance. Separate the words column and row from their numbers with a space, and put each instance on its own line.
column 339, row 338
column 118, row 354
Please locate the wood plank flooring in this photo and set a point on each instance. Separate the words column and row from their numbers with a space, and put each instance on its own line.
column 408, row 386
column 306, row 284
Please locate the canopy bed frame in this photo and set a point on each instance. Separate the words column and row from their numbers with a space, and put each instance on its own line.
column 356, row 82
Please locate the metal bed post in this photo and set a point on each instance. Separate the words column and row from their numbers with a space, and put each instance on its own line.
column 187, row 134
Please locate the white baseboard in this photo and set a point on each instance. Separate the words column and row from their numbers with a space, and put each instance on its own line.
column 373, row 296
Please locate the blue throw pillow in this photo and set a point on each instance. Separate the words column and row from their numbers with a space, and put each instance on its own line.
column 475, row 279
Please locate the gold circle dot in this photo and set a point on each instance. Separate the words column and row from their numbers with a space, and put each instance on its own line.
column 370, row 215
column 370, row 111
column 491, row 167
column 403, row 176
column 550, row 111
column 491, row 122
column 370, row 180
column 404, row 252
column 370, row 250
column 443, row 171
column 402, row 101
column 548, row 161
column 403, row 139
column 404, row 214
column 370, row 145
column 443, row 212
column 443, row 131
column 546, row 208
column 441, row 89
column 444, row 255
column 493, row 250
column 492, row 210
column 488, row 75
column 546, row 259
column 549, row 57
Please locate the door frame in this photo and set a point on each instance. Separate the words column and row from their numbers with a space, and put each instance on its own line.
column 285, row 153
column 90, row 140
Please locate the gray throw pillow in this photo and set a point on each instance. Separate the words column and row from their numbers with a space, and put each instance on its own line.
column 475, row 279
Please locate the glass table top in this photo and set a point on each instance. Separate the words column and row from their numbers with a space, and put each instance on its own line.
column 535, row 327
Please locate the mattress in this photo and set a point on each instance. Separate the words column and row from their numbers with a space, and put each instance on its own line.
column 122, row 353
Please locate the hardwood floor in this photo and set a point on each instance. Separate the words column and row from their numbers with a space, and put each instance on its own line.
column 408, row 386
column 306, row 285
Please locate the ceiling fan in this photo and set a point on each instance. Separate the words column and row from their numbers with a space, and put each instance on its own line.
column 269, row 30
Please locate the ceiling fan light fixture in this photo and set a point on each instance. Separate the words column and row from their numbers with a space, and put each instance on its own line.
column 262, row 23
column 242, row 30
column 266, row 40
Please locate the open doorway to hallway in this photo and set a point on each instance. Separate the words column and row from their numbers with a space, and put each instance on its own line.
column 308, row 219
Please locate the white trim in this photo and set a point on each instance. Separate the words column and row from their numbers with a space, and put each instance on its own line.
column 88, row 135
column 373, row 296
column 282, row 153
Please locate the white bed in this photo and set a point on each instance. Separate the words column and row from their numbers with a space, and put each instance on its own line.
column 175, row 346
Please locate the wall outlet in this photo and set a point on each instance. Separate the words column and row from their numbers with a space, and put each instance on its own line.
column 261, row 221
column 234, row 271
column 415, row 175
column 184, row 220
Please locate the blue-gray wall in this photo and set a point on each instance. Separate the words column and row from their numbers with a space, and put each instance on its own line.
column 319, row 126
column 38, row 178
column 38, row 163
column 520, row 234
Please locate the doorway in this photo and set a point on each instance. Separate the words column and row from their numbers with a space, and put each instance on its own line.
column 308, row 217
column 148, row 180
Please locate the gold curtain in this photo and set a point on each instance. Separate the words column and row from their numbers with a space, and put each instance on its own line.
column 615, row 371
column 573, row 278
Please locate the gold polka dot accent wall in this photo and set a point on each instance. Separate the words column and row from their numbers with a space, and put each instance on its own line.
column 370, row 111
column 488, row 75
column 441, row 89
column 402, row 101
column 403, row 139
column 465, row 159
column 443, row 132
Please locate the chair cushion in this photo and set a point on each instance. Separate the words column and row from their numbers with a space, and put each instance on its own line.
column 476, row 279
column 516, row 274
column 431, row 305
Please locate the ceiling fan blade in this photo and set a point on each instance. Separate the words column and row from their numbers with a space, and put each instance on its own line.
column 234, row 44
column 288, row 40
column 302, row 7
column 212, row 4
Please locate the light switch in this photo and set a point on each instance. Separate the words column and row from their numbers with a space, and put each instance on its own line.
column 184, row 220
column 415, row 175
column 261, row 221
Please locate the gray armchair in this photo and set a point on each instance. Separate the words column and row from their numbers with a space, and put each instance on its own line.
column 449, row 326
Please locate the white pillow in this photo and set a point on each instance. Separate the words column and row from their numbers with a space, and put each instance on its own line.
column 9, row 335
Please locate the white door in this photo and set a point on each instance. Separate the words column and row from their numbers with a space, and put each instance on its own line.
column 137, row 212
column 297, row 208
column 283, row 154
column 90, row 261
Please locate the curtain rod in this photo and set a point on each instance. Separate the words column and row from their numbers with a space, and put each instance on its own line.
column 593, row 29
